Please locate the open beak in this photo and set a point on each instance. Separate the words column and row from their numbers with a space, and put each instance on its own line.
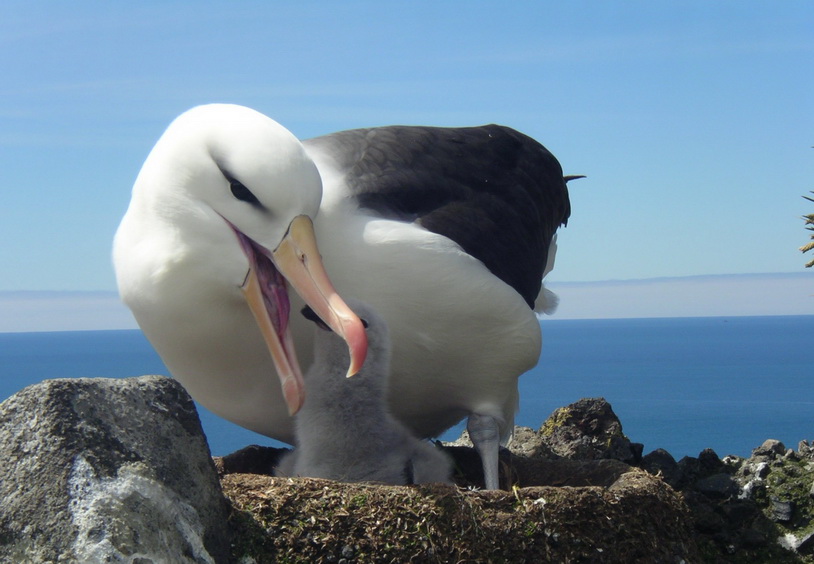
column 296, row 260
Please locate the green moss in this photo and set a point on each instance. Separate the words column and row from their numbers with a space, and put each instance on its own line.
column 791, row 482
column 250, row 538
column 358, row 501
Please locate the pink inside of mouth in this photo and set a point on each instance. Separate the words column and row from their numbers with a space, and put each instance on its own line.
column 272, row 284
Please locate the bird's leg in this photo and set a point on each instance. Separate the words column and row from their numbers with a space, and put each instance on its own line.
column 485, row 435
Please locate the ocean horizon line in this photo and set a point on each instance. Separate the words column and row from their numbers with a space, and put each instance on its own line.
column 545, row 320
column 703, row 295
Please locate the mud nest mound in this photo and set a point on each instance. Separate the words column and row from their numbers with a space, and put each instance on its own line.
column 591, row 511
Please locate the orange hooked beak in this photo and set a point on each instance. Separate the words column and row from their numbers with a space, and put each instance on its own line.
column 296, row 261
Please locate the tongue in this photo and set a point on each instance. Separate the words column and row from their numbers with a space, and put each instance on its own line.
column 265, row 291
column 272, row 285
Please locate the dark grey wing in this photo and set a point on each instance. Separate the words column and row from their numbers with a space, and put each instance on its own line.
column 498, row 193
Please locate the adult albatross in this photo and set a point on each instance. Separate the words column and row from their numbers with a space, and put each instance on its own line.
column 446, row 232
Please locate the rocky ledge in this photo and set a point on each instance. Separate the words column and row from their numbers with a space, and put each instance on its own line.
column 119, row 471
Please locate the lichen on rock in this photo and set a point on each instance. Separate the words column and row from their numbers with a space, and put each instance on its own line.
column 108, row 470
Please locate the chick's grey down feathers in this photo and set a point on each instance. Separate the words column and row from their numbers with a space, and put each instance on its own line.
column 344, row 431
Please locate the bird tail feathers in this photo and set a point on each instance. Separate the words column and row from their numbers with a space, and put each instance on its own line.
column 546, row 302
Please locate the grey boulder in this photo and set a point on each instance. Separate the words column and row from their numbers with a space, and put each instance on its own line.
column 108, row 470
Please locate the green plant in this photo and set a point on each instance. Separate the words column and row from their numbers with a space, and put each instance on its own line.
column 809, row 219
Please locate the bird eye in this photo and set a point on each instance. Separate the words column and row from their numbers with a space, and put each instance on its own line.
column 242, row 193
column 364, row 322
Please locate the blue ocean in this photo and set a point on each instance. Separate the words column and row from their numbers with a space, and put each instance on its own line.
column 682, row 384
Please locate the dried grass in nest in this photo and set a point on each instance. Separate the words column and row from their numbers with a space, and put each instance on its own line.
column 307, row 520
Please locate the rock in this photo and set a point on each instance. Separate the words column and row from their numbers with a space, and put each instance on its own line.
column 661, row 463
column 253, row 459
column 567, row 473
column 748, row 490
column 707, row 520
column 801, row 544
column 526, row 442
column 637, row 449
column 740, row 513
column 781, row 510
column 791, row 456
column 689, row 470
column 752, row 475
column 588, row 430
column 771, row 448
column 805, row 544
column 709, row 463
column 805, row 450
column 751, row 538
column 761, row 470
column 108, row 470
column 718, row 486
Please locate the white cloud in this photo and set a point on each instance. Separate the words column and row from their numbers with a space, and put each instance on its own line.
column 692, row 296
column 63, row 311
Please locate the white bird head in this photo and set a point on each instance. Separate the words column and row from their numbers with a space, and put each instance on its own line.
column 229, row 194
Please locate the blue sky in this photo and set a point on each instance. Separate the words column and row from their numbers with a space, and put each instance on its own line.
column 694, row 121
